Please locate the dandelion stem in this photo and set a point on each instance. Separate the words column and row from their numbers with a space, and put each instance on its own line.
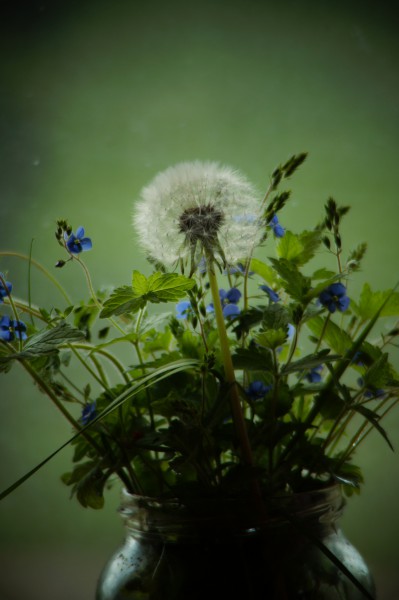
column 236, row 409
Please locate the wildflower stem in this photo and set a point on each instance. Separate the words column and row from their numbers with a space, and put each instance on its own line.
column 94, row 295
column 107, row 355
column 237, row 413
column 47, row 273
column 53, row 397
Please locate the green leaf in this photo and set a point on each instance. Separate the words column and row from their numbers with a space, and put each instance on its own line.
column 335, row 337
column 49, row 340
column 90, row 489
column 377, row 375
column 253, row 359
column 263, row 270
column 298, row 248
column 122, row 301
column 276, row 316
column 272, row 338
column 161, row 287
column 373, row 418
column 370, row 302
column 294, row 283
column 324, row 274
column 310, row 362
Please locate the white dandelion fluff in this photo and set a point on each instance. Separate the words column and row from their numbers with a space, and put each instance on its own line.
column 197, row 209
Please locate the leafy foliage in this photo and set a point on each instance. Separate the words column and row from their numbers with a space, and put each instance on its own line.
column 151, row 398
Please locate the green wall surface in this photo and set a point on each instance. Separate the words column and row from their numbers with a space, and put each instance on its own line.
column 96, row 98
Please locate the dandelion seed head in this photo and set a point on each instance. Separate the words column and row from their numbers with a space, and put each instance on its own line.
column 196, row 208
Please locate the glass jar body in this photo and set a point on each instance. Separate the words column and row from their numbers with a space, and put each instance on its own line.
column 223, row 557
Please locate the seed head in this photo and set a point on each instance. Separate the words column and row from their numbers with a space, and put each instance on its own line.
column 198, row 209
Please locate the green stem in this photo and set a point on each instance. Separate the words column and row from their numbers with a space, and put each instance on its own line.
column 236, row 409
column 108, row 356
column 94, row 296
column 47, row 390
column 47, row 273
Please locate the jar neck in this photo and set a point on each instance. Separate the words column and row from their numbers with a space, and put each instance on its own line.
column 173, row 521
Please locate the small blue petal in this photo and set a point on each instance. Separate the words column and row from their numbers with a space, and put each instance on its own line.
column 88, row 413
column 80, row 232
column 233, row 295
column 182, row 309
column 86, row 244
column 231, row 310
column 257, row 390
column 273, row 296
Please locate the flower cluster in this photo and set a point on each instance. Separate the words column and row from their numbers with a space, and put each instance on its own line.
column 263, row 373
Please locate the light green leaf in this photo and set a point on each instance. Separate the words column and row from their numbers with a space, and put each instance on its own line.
column 370, row 302
column 263, row 270
column 335, row 337
column 298, row 248
column 161, row 287
column 122, row 301
column 272, row 338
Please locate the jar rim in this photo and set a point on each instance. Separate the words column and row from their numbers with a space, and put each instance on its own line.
column 172, row 519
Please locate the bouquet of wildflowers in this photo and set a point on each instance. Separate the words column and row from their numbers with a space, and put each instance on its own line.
column 253, row 373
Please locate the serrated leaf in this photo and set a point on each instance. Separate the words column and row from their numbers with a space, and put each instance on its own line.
column 162, row 287
column 122, row 301
column 49, row 340
column 253, row 359
column 294, row 283
column 275, row 316
column 370, row 302
column 298, row 248
column 272, row 338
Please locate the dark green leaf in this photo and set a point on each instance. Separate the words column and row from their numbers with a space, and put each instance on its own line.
column 373, row 418
column 253, row 359
column 294, row 283
column 122, row 301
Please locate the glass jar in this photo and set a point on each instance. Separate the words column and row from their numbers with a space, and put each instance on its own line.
column 224, row 550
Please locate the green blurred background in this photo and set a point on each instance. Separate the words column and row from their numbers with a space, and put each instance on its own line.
column 96, row 98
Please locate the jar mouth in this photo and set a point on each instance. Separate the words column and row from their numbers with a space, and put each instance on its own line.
column 174, row 520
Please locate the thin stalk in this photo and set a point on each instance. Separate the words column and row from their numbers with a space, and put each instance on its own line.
column 47, row 390
column 94, row 296
column 108, row 356
column 47, row 273
column 236, row 409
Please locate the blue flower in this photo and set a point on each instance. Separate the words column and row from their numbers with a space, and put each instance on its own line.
column 229, row 302
column 257, row 390
column 11, row 329
column 183, row 308
column 89, row 413
column 371, row 392
column 77, row 243
column 277, row 229
column 314, row 375
column 334, row 297
column 4, row 291
column 273, row 296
